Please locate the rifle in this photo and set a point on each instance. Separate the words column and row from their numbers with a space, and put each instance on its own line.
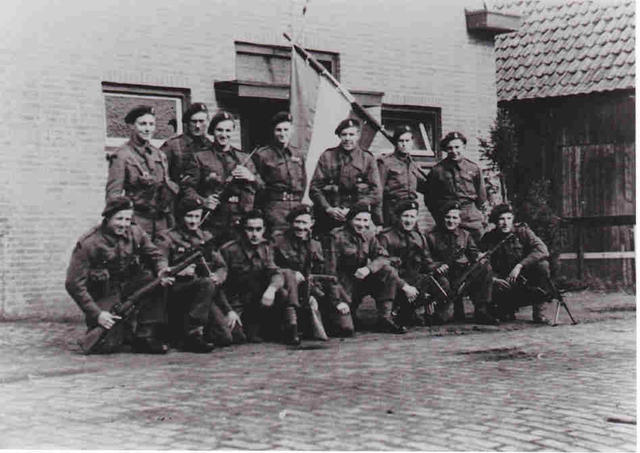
column 557, row 295
column 96, row 336
column 316, row 321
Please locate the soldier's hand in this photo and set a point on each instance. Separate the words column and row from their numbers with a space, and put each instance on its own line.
column 336, row 214
column 362, row 273
column 343, row 308
column 107, row 320
column 299, row 277
column 165, row 280
column 188, row 271
column 269, row 296
column 313, row 303
column 515, row 272
column 212, row 202
column 502, row 284
column 442, row 269
column 241, row 172
column 232, row 319
column 411, row 292
column 214, row 278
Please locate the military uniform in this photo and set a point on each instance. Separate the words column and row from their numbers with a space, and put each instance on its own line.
column 307, row 258
column 178, row 148
column 528, row 250
column 458, row 250
column 285, row 179
column 401, row 180
column 139, row 171
column 105, row 268
column 348, row 251
column 460, row 181
column 197, row 306
column 209, row 173
column 251, row 268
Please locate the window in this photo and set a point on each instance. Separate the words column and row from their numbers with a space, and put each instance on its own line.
column 169, row 103
column 425, row 123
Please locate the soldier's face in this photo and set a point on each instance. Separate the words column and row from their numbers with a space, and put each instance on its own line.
column 222, row 132
column 455, row 149
column 192, row 219
column 144, row 126
column 120, row 222
column 452, row 219
column 349, row 138
column 408, row 219
column 361, row 222
column 282, row 133
column 254, row 229
column 198, row 124
column 302, row 225
column 505, row 222
column 405, row 143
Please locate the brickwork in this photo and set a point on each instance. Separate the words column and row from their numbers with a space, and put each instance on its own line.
column 54, row 55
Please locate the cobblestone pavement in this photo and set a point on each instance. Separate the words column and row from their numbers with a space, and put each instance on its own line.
column 513, row 387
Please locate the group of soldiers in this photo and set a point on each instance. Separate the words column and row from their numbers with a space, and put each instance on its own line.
column 273, row 267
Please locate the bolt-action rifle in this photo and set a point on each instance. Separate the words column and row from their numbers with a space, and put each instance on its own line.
column 95, row 337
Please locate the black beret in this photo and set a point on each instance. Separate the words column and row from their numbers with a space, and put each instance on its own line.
column 281, row 117
column 137, row 112
column 498, row 211
column 218, row 118
column 406, row 205
column 357, row 208
column 452, row 136
column 116, row 204
column 403, row 129
column 298, row 211
column 188, row 204
column 448, row 206
column 194, row 108
column 349, row 122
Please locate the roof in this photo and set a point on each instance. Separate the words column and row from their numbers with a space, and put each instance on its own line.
column 566, row 48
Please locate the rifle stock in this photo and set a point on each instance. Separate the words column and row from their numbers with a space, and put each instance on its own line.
column 97, row 335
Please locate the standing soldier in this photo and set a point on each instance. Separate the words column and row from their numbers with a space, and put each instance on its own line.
column 344, row 176
column 255, row 286
column 106, row 267
column 198, row 310
column 454, row 252
column 409, row 253
column 520, row 265
column 456, row 178
column 296, row 250
column 282, row 168
column 223, row 178
column 139, row 170
column 194, row 139
column 400, row 177
column 362, row 266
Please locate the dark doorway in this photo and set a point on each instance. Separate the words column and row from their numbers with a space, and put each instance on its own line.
column 255, row 120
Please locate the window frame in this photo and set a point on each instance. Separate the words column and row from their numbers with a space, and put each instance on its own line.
column 411, row 114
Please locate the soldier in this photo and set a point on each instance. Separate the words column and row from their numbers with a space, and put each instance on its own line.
column 409, row 253
column 344, row 176
column 193, row 316
column 400, row 177
column 520, row 265
column 194, row 139
column 295, row 249
column 454, row 252
column 223, row 178
column 139, row 170
column 282, row 168
column 255, row 287
column 456, row 178
column 362, row 266
column 106, row 266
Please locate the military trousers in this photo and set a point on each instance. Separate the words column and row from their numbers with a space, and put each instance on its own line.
column 531, row 288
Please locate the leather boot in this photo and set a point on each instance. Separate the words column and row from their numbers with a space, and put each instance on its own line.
column 386, row 324
column 538, row 314
column 253, row 333
column 291, row 336
column 149, row 345
column 198, row 344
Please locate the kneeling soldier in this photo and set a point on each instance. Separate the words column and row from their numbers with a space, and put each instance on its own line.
column 362, row 266
column 520, row 265
column 454, row 252
column 255, row 286
column 409, row 253
column 106, row 266
column 295, row 249
column 198, row 311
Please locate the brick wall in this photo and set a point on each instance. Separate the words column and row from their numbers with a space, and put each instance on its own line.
column 54, row 54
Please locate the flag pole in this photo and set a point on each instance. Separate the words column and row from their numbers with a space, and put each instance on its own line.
column 355, row 105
